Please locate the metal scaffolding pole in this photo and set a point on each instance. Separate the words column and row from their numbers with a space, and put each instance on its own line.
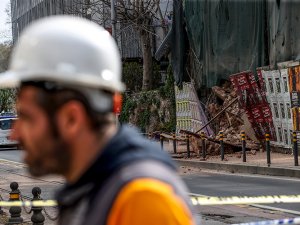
column 113, row 18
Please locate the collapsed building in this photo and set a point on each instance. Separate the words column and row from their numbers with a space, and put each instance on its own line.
column 268, row 103
column 211, row 42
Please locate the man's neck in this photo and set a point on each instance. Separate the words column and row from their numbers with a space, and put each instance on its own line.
column 86, row 149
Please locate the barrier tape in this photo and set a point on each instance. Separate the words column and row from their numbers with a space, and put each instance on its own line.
column 196, row 200
column 199, row 201
column 245, row 200
column 268, row 222
column 39, row 203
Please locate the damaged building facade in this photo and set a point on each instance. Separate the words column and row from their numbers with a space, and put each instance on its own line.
column 227, row 37
column 212, row 40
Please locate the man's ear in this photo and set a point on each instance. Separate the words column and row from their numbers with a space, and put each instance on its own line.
column 71, row 118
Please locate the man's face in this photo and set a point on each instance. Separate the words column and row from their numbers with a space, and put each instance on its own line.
column 45, row 152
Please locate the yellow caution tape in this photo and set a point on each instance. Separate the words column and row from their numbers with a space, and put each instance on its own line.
column 196, row 200
column 245, row 200
column 39, row 203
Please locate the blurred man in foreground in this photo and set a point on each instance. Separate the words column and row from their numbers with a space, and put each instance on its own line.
column 68, row 72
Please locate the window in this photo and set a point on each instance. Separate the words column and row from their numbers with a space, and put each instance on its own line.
column 278, row 88
column 271, row 85
column 282, row 110
column 288, row 109
column 285, row 84
column 5, row 124
column 276, row 110
column 285, row 136
column 280, row 134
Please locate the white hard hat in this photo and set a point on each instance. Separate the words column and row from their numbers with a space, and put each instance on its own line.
column 67, row 50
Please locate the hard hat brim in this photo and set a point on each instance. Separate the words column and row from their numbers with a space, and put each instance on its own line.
column 9, row 79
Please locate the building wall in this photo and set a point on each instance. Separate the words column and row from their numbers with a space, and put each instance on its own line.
column 23, row 12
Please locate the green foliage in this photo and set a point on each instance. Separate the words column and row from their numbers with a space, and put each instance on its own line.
column 156, row 75
column 156, row 102
column 7, row 96
column 5, row 51
column 144, row 118
column 168, row 127
column 7, row 99
column 128, row 108
column 133, row 76
column 143, row 107
column 168, row 92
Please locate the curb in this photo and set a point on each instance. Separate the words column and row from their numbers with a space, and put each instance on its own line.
column 236, row 168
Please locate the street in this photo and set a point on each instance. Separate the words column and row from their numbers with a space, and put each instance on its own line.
column 204, row 183
column 13, row 155
column 13, row 170
column 216, row 184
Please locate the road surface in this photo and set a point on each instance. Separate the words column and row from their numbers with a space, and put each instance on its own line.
column 205, row 183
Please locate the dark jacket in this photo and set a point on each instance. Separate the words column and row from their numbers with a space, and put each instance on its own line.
column 78, row 201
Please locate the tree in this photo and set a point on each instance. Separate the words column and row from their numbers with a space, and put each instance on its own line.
column 6, row 43
column 6, row 34
column 7, row 96
column 7, row 100
column 5, row 50
column 142, row 15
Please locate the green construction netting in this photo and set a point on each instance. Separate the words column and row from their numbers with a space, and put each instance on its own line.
column 229, row 36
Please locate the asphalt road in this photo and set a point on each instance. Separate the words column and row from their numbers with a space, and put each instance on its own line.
column 224, row 184
column 216, row 184
column 13, row 155
column 205, row 183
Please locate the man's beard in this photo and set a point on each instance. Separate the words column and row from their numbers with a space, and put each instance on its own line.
column 54, row 157
column 57, row 160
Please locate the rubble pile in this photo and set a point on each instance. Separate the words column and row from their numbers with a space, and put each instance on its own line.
column 230, row 122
